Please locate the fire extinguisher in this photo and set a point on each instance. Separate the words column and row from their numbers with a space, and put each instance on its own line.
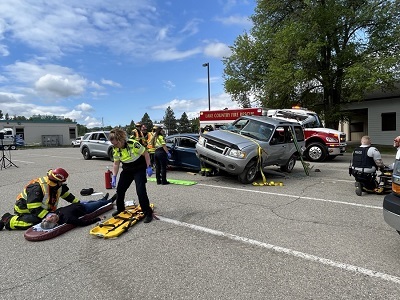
column 108, row 178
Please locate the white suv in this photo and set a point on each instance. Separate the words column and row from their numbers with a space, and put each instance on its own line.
column 77, row 142
column 96, row 144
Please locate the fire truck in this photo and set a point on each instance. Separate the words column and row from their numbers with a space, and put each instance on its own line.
column 322, row 144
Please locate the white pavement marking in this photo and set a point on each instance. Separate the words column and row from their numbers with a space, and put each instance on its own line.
column 287, row 251
column 23, row 161
column 292, row 196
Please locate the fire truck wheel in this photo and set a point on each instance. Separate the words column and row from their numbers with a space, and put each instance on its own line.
column 316, row 152
column 249, row 173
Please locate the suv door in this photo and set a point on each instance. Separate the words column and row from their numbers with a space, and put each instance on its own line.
column 186, row 148
column 281, row 146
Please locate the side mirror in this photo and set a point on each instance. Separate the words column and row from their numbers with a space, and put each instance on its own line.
column 274, row 141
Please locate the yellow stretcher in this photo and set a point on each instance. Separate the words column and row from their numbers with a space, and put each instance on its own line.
column 117, row 225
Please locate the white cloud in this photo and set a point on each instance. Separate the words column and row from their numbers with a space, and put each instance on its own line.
column 4, row 50
column 174, row 54
column 193, row 107
column 110, row 83
column 191, row 28
column 61, row 86
column 84, row 107
column 168, row 84
column 218, row 50
column 235, row 20
column 92, row 122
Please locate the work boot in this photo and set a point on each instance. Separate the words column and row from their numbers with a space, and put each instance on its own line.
column 358, row 188
column 106, row 196
column 148, row 218
column 117, row 212
column 113, row 198
column 4, row 219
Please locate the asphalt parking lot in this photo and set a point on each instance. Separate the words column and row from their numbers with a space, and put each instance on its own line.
column 312, row 238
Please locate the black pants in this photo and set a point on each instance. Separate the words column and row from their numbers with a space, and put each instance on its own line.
column 126, row 178
column 161, row 159
column 368, row 180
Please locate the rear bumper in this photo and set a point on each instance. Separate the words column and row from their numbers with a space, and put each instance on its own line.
column 391, row 210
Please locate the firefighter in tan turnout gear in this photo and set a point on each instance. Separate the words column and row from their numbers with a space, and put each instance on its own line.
column 39, row 197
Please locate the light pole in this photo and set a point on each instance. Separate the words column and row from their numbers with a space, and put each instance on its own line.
column 208, row 81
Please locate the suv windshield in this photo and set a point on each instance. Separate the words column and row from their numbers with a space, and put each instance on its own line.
column 251, row 128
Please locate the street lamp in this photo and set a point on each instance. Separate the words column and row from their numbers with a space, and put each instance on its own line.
column 208, row 81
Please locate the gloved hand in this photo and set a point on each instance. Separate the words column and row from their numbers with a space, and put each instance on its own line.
column 149, row 171
column 169, row 155
column 114, row 181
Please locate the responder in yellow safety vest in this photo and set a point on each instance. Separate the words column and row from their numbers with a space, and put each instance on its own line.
column 39, row 197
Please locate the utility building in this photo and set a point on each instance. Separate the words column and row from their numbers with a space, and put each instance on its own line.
column 49, row 132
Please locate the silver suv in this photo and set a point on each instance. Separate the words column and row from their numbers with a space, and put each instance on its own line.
column 96, row 144
column 240, row 148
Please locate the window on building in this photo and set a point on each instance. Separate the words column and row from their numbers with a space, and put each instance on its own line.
column 388, row 121
column 357, row 127
column 72, row 133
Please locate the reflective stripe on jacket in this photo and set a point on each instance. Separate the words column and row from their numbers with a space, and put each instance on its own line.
column 131, row 152
column 38, row 198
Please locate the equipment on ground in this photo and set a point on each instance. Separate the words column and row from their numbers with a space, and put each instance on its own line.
column 36, row 233
column 5, row 162
column 176, row 181
column 117, row 225
column 108, row 178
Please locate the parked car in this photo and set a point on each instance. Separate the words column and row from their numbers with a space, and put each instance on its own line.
column 391, row 202
column 96, row 144
column 77, row 142
column 251, row 141
column 183, row 150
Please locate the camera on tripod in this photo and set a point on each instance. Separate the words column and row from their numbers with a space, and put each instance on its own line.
column 5, row 161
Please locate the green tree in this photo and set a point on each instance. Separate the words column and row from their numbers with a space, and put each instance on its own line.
column 195, row 125
column 184, row 124
column 7, row 117
column 147, row 121
column 319, row 54
column 1, row 114
column 170, row 121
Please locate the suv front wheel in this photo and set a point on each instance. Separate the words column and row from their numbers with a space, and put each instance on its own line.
column 86, row 153
column 288, row 167
column 249, row 173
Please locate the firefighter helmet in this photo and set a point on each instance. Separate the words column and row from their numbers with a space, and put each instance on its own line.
column 58, row 174
column 138, row 124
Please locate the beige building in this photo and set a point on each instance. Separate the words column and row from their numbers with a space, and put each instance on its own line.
column 43, row 132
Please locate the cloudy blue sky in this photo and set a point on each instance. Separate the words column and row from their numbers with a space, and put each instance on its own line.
column 112, row 61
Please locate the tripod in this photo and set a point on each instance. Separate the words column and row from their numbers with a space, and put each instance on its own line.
column 5, row 159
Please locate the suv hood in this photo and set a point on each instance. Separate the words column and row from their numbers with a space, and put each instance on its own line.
column 235, row 139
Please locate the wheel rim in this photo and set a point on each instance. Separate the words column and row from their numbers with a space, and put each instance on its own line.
column 251, row 174
column 315, row 152
column 291, row 164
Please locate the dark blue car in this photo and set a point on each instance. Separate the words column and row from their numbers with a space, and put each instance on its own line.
column 182, row 147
